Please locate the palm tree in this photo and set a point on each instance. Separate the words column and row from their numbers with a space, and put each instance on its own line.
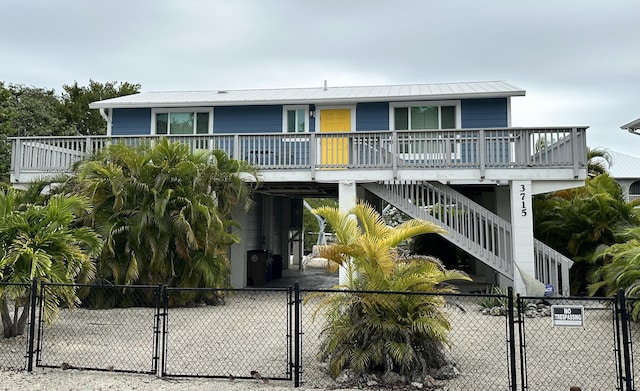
column 599, row 161
column 373, row 330
column 576, row 222
column 620, row 270
column 41, row 241
column 164, row 212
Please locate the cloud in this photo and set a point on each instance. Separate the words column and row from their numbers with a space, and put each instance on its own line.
column 577, row 60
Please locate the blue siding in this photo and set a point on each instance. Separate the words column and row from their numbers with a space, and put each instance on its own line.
column 372, row 116
column 247, row 119
column 484, row 113
column 131, row 122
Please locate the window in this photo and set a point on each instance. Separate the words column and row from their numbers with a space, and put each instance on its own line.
column 424, row 115
column 295, row 119
column 634, row 191
column 182, row 122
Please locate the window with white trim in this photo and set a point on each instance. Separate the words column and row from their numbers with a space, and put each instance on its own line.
column 182, row 121
column 295, row 119
column 424, row 116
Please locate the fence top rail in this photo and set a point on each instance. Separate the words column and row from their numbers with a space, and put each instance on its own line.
column 249, row 289
column 102, row 286
column 569, row 298
column 447, row 294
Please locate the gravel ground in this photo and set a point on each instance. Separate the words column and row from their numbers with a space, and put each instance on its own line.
column 59, row 380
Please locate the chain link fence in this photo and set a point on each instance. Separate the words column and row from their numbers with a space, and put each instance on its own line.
column 580, row 351
column 476, row 352
column 14, row 350
column 115, row 329
column 493, row 341
column 247, row 334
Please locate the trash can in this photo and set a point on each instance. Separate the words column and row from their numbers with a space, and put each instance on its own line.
column 258, row 263
column 276, row 266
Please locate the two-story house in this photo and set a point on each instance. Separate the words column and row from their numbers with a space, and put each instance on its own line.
column 442, row 152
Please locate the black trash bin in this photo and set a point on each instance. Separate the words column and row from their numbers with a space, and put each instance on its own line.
column 258, row 264
column 276, row 266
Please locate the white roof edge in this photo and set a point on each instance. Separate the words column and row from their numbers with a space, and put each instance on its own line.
column 106, row 105
column 337, row 95
column 631, row 125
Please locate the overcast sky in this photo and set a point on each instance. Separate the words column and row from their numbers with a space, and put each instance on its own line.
column 578, row 60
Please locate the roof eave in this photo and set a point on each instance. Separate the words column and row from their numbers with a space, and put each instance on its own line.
column 632, row 126
column 317, row 101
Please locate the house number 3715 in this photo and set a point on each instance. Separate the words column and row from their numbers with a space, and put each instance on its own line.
column 523, row 195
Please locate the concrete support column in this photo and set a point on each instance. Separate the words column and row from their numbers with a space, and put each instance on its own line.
column 347, row 199
column 522, row 232
column 347, row 195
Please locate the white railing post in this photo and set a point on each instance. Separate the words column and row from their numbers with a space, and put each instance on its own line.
column 236, row 147
column 482, row 152
column 88, row 148
column 394, row 154
column 575, row 152
column 16, row 158
column 312, row 154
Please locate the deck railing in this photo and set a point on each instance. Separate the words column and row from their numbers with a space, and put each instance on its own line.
column 473, row 228
column 427, row 149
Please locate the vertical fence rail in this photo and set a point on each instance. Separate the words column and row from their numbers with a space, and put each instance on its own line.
column 32, row 322
column 511, row 340
column 297, row 333
column 626, row 344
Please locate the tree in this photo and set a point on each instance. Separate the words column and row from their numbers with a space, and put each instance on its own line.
column 576, row 222
column 598, row 161
column 164, row 212
column 620, row 270
column 374, row 331
column 41, row 241
column 75, row 104
column 31, row 111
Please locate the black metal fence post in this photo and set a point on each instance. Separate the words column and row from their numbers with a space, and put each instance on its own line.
column 522, row 343
column 165, row 314
column 512, row 339
column 624, row 320
column 159, row 303
column 296, row 333
column 290, row 331
column 32, row 325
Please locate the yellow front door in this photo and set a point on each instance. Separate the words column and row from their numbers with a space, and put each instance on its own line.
column 335, row 150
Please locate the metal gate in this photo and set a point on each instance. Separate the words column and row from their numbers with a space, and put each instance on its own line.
column 574, row 341
column 203, row 341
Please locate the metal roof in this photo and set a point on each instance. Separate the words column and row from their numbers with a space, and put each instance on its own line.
column 319, row 95
column 631, row 126
column 624, row 166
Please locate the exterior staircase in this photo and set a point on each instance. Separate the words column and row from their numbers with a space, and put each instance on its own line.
column 473, row 228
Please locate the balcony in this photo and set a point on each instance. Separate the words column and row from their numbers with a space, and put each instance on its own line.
column 495, row 154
